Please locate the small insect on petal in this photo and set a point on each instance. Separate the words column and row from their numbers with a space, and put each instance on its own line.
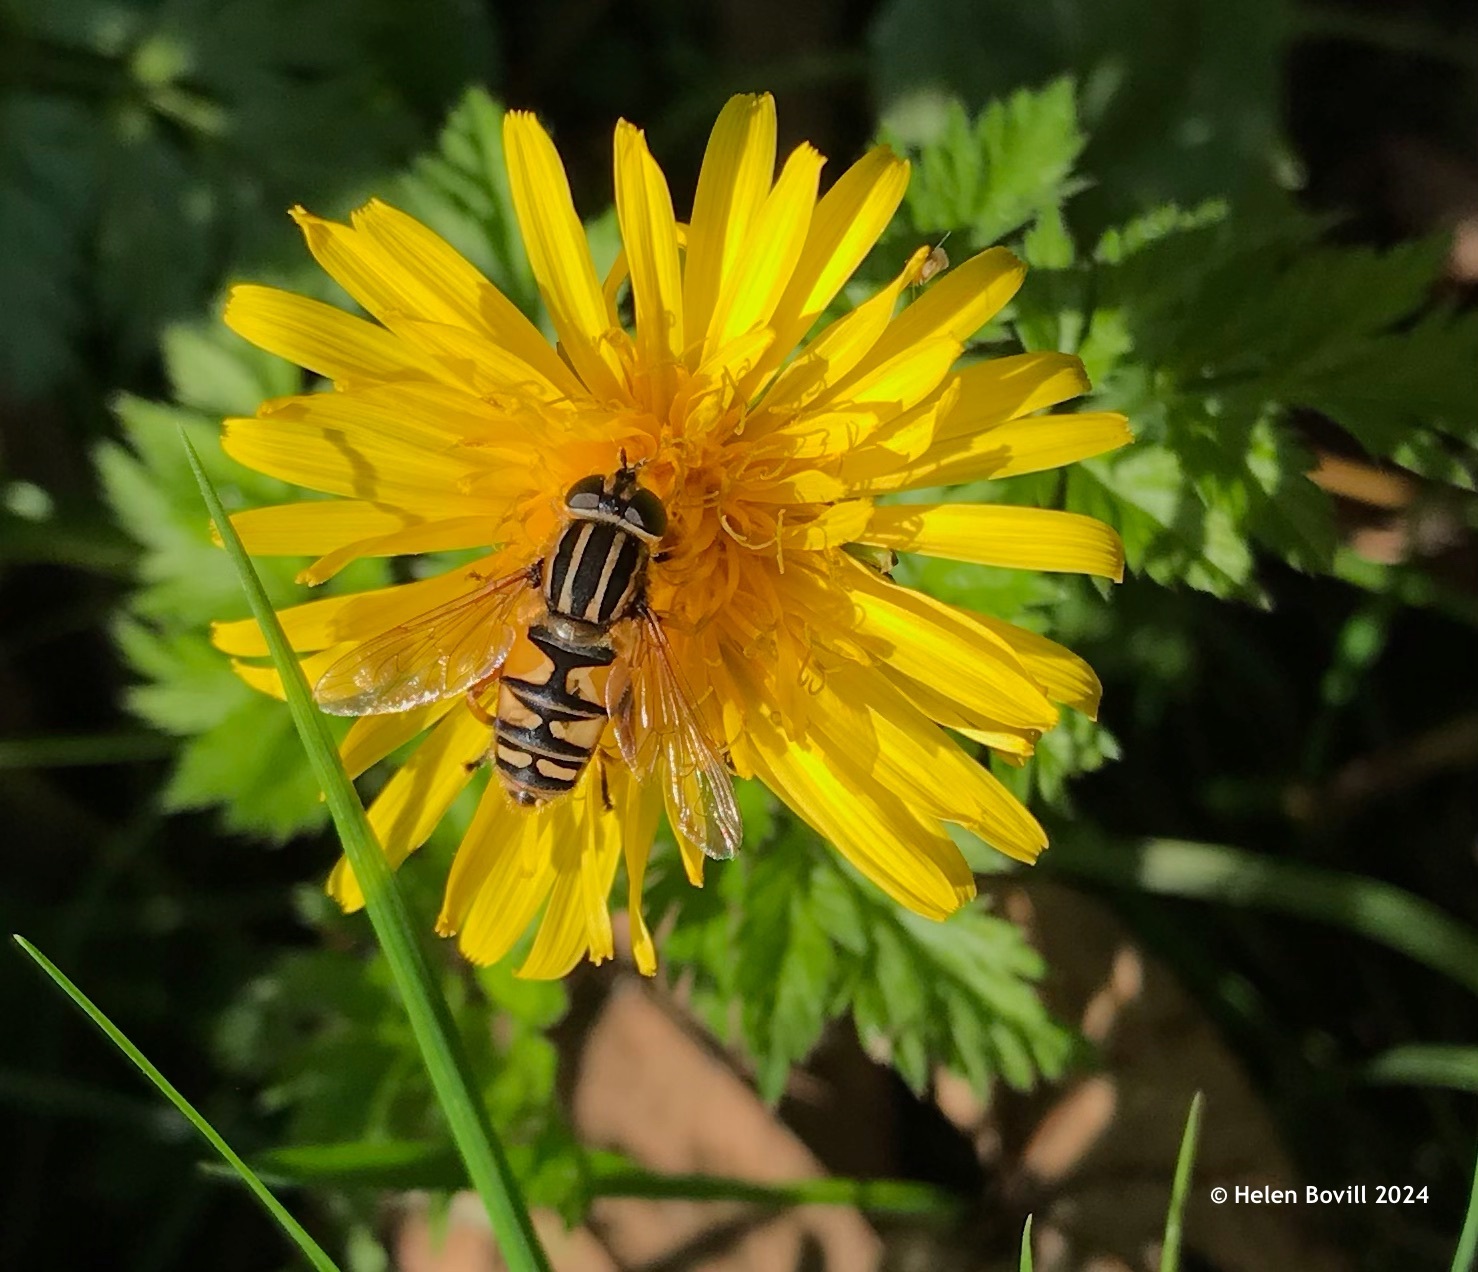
column 935, row 263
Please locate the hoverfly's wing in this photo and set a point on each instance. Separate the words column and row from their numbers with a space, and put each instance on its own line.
column 658, row 729
column 438, row 654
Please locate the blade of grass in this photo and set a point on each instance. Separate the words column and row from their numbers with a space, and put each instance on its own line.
column 1180, row 1191
column 310, row 1248
column 426, row 1008
column 611, row 1176
column 1376, row 910
column 1025, row 1264
column 1466, row 1256
column 1427, row 1065
column 404, row 1164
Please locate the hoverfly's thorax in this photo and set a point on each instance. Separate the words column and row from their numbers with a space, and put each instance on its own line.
column 594, row 574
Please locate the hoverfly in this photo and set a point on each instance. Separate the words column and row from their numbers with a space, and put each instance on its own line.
column 586, row 609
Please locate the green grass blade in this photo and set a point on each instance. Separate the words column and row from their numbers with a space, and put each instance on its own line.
column 430, row 1020
column 407, row 1164
column 1025, row 1264
column 1427, row 1065
column 1181, row 1190
column 1372, row 908
column 612, row 1176
column 1466, row 1256
column 310, row 1248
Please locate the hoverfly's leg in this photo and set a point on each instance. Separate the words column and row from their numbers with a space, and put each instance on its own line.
column 659, row 557
column 480, row 712
column 483, row 716
column 605, row 786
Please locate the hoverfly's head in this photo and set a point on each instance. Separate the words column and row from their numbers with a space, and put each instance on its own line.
column 618, row 500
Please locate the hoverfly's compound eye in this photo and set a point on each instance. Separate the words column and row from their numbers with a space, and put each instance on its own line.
column 585, row 495
column 646, row 513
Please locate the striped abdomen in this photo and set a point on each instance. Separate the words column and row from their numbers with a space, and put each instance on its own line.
column 550, row 720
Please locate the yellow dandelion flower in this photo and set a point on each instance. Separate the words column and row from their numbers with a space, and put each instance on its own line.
column 675, row 523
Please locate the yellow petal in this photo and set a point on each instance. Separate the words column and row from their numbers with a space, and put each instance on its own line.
column 998, row 534
column 318, row 336
column 500, row 878
column 896, row 445
column 458, row 292
column 1031, row 445
column 956, row 306
column 1066, row 677
column 771, row 249
column 924, row 640
column 316, row 526
column 859, row 713
column 353, row 445
column 393, row 290
column 907, row 856
column 649, row 233
column 1001, row 389
column 371, row 738
column 829, row 358
column 899, row 382
column 584, row 859
column 405, row 813
column 559, row 254
column 1013, row 742
column 597, row 874
column 561, row 939
column 450, row 535
column 639, row 808
column 848, row 221
column 738, row 167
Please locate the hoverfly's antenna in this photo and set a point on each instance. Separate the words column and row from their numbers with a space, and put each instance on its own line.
column 624, row 478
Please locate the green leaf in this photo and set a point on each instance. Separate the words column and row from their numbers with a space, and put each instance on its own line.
column 819, row 941
column 1426, row 1065
column 1181, row 1189
column 187, row 687
column 295, row 1231
column 1169, row 530
column 988, row 177
column 430, row 1019
column 1182, row 96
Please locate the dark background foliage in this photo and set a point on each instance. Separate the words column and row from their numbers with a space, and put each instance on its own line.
column 1289, row 671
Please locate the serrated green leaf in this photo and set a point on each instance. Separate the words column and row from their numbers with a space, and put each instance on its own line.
column 957, row 994
column 1181, row 95
column 1168, row 531
column 986, row 178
